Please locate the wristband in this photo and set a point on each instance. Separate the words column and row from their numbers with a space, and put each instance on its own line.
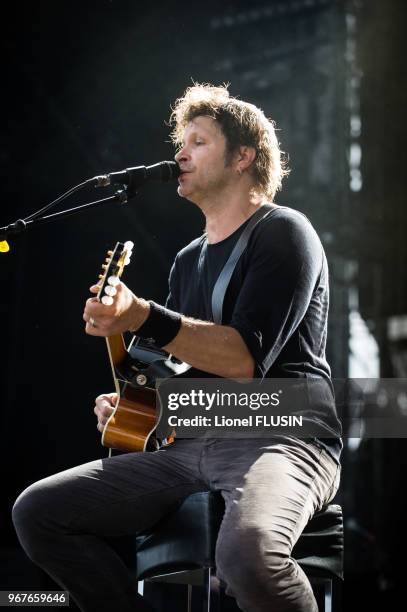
column 161, row 325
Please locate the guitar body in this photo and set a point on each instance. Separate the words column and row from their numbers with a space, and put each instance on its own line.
column 130, row 428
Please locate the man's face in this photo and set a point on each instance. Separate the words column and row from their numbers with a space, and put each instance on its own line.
column 202, row 160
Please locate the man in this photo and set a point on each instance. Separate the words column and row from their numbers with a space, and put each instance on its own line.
column 274, row 325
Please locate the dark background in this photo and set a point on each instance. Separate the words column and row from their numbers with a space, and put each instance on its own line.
column 86, row 89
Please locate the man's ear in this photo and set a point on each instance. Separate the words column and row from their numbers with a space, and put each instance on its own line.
column 245, row 158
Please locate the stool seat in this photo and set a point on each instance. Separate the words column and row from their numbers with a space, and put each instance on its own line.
column 319, row 549
column 185, row 540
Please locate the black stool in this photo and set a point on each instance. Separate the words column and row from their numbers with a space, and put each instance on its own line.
column 182, row 546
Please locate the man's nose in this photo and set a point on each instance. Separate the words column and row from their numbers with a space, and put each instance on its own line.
column 182, row 155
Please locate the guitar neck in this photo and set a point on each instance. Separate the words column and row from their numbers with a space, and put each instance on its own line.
column 117, row 353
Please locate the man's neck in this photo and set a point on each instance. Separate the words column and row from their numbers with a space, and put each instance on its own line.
column 224, row 218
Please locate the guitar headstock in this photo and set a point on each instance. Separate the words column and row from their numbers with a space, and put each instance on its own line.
column 112, row 270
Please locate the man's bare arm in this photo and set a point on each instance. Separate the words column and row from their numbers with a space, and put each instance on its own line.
column 216, row 349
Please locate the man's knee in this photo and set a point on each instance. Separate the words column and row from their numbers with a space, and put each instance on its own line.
column 25, row 507
column 29, row 517
column 251, row 555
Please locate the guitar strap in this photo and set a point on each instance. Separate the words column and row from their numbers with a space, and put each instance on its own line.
column 222, row 283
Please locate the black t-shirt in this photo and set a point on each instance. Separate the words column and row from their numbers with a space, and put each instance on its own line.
column 277, row 300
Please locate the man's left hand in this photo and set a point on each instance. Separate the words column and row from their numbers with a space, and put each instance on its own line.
column 127, row 313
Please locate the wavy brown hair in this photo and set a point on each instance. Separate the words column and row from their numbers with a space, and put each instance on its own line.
column 242, row 124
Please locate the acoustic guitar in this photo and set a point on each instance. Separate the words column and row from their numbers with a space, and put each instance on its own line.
column 135, row 368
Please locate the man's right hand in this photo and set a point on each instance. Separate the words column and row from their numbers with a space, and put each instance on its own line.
column 104, row 406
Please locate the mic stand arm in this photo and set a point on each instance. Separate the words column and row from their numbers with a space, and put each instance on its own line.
column 19, row 226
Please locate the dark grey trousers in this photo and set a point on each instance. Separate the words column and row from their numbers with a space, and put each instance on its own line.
column 271, row 488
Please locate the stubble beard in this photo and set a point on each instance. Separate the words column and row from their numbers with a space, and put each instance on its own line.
column 213, row 186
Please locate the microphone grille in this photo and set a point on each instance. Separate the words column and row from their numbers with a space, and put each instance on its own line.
column 170, row 170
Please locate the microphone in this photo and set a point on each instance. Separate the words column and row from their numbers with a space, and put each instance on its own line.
column 132, row 177
column 135, row 177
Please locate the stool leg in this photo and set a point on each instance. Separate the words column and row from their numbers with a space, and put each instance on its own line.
column 208, row 596
column 189, row 604
column 328, row 596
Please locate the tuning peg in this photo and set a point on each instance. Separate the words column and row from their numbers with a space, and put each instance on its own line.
column 107, row 300
column 110, row 253
column 100, row 276
column 104, row 266
column 128, row 245
column 113, row 280
column 127, row 261
column 107, row 260
column 109, row 290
